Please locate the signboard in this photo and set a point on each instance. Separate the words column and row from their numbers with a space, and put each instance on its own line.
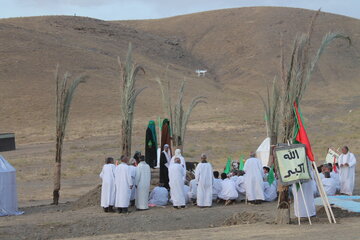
column 331, row 155
column 292, row 164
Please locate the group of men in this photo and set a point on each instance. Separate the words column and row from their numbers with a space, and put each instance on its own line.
column 125, row 184
column 128, row 183
column 340, row 177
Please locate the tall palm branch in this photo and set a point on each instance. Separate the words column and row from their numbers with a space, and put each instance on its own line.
column 129, row 71
column 64, row 95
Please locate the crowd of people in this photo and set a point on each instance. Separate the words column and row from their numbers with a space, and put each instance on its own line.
column 128, row 183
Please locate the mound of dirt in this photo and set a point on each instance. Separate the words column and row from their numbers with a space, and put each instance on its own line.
column 243, row 218
column 92, row 198
column 338, row 213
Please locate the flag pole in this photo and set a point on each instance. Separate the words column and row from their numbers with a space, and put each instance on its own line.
column 306, row 208
column 317, row 179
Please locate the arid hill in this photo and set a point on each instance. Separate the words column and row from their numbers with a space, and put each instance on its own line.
column 239, row 47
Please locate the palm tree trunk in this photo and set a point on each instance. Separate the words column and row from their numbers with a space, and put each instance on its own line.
column 57, row 171
column 126, row 140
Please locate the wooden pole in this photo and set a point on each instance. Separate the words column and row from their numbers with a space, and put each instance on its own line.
column 317, row 180
column 324, row 197
column 306, row 208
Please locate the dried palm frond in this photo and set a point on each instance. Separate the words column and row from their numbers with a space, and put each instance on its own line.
column 178, row 117
column 128, row 71
column 64, row 97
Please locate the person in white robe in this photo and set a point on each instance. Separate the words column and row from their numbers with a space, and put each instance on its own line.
column 299, row 203
column 270, row 191
column 179, row 156
column 123, row 184
column 176, row 182
column 204, row 178
column 335, row 176
column 347, row 163
column 186, row 193
column 329, row 184
column 132, row 172
column 142, row 183
column 228, row 190
column 159, row 196
column 108, row 185
column 216, row 185
column 240, row 186
column 193, row 185
column 254, row 180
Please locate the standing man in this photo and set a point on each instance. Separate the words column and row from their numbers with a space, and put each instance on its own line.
column 204, row 178
column 123, row 184
column 176, row 176
column 347, row 162
column 254, row 175
column 142, row 183
column 132, row 172
column 165, row 159
column 108, row 185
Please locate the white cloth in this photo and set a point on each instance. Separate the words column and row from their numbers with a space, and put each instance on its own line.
column 159, row 196
column 204, row 177
column 186, row 193
column 8, row 195
column 254, row 179
column 347, row 173
column 168, row 157
column 176, row 182
column 234, row 178
column 216, row 188
column 299, row 205
column 228, row 190
column 270, row 191
column 182, row 159
column 132, row 172
column 123, row 182
column 329, row 186
column 142, row 182
column 336, row 177
column 240, row 187
column 108, row 185
column 193, row 189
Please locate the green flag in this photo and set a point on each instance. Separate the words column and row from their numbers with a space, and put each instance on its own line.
column 241, row 162
column 228, row 166
column 271, row 176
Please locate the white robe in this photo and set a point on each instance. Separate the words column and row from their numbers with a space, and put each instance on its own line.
column 108, row 185
column 216, row 188
column 270, row 191
column 336, row 177
column 123, row 182
column 186, row 193
column 176, row 182
column 159, row 196
column 132, row 172
column 182, row 161
column 299, row 206
column 254, row 179
column 142, row 182
column 240, row 187
column 228, row 190
column 204, row 177
column 193, row 189
column 347, row 174
column 329, row 186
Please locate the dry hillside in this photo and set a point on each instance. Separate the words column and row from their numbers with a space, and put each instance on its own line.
column 239, row 47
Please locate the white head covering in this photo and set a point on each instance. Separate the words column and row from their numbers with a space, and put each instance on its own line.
column 178, row 153
column 132, row 161
column 166, row 145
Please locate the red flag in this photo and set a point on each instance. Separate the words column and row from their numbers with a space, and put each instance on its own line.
column 334, row 165
column 300, row 134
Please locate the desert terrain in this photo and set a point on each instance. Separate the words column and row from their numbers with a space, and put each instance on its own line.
column 241, row 51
